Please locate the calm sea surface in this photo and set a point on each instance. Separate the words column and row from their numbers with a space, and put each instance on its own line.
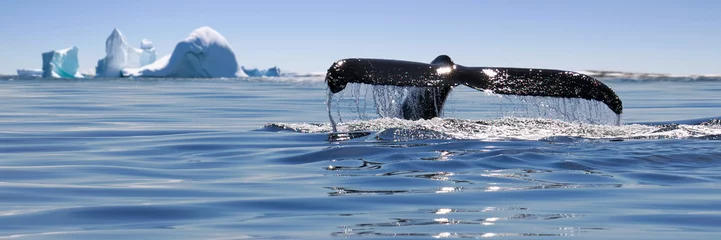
column 251, row 159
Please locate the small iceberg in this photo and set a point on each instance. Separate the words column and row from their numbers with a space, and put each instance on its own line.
column 30, row 73
column 251, row 72
column 254, row 72
column 204, row 54
column 120, row 55
column 273, row 72
column 61, row 63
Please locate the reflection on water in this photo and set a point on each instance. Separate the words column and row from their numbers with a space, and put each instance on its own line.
column 341, row 191
column 491, row 217
column 450, row 235
column 366, row 165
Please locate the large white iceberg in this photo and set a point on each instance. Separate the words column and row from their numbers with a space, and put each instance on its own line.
column 254, row 72
column 30, row 73
column 204, row 54
column 61, row 63
column 120, row 55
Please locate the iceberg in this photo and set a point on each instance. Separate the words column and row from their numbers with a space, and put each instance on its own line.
column 30, row 73
column 148, row 55
column 120, row 55
column 272, row 72
column 254, row 72
column 204, row 54
column 61, row 63
column 275, row 72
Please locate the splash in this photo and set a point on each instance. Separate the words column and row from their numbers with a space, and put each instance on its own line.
column 365, row 102
column 509, row 128
column 328, row 100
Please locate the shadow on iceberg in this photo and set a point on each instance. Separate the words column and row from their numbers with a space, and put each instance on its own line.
column 204, row 54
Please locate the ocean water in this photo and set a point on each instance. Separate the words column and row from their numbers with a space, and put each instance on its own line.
column 256, row 159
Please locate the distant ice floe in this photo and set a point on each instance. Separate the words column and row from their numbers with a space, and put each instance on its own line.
column 204, row 54
column 120, row 55
column 61, row 63
column 276, row 72
column 30, row 73
column 617, row 75
column 254, row 72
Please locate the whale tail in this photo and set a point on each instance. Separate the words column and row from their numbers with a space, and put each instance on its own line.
column 442, row 73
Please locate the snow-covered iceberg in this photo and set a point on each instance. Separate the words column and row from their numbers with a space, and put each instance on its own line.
column 61, row 63
column 120, row 55
column 254, row 72
column 204, row 54
column 30, row 73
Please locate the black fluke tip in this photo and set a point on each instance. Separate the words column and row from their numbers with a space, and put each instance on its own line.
column 337, row 76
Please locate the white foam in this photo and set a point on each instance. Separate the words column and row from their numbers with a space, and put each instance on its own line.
column 511, row 128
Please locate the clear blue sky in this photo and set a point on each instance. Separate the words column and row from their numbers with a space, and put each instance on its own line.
column 665, row 36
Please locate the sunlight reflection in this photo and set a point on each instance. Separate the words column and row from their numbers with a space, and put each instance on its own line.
column 447, row 189
column 490, row 221
column 488, row 209
column 443, row 235
column 490, row 72
column 445, row 70
column 489, row 235
column 493, row 174
column 443, row 211
column 443, row 155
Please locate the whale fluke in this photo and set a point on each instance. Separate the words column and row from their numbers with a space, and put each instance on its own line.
column 385, row 72
column 548, row 83
column 443, row 74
